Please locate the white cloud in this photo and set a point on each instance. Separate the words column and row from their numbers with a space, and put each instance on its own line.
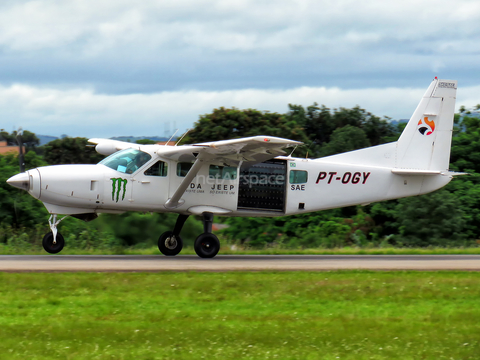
column 240, row 25
column 82, row 112
column 104, row 48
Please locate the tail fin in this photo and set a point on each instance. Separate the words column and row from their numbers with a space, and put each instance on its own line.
column 425, row 143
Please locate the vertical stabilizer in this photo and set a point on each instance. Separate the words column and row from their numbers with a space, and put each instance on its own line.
column 425, row 143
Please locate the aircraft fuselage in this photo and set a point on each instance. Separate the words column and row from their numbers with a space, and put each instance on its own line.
column 281, row 186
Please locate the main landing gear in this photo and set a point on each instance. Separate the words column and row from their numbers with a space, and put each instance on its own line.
column 53, row 242
column 206, row 245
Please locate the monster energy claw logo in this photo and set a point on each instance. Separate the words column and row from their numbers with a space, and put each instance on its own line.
column 117, row 187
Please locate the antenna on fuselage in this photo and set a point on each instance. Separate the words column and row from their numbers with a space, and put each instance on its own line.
column 171, row 137
column 186, row 132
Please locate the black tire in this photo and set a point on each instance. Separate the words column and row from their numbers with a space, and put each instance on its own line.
column 49, row 246
column 170, row 245
column 207, row 245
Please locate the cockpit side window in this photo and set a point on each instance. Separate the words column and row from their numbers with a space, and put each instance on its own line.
column 126, row 161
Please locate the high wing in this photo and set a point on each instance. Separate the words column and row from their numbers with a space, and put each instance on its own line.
column 248, row 151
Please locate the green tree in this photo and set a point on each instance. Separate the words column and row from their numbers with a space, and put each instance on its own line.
column 319, row 124
column 384, row 215
column 345, row 139
column 70, row 151
column 432, row 219
column 133, row 228
column 17, row 207
column 465, row 153
column 224, row 124
column 466, row 190
column 146, row 142
column 29, row 139
column 355, row 117
column 9, row 138
column 379, row 131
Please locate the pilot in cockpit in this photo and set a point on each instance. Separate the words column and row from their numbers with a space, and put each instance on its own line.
column 137, row 163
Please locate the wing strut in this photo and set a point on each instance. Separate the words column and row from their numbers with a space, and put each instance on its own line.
column 174, row 201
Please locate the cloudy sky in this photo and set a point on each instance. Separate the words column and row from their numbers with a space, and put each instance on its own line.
column 101, row 68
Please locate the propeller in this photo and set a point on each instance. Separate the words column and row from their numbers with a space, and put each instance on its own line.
column 21, row 162
column 21, row 157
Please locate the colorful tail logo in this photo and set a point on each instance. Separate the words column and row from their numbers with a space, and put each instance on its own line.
column 425, row 126
column 117, row 187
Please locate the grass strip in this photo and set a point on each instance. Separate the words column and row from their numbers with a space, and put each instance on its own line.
column 240, row 315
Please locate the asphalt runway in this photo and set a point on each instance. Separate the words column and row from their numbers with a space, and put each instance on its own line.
column 128, row 263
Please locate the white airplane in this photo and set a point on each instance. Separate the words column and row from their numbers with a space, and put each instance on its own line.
column 246, row 177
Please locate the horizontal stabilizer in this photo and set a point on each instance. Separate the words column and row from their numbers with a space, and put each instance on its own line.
column 455, row 173
column 412, row 172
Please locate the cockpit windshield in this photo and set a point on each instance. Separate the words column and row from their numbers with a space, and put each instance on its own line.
column 126, row 161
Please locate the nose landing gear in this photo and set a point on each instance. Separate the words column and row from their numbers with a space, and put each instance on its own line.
column 53, row 242
column 170, row 243
column 51, row 245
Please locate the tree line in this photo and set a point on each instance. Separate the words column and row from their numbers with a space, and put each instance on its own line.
column 447, row 217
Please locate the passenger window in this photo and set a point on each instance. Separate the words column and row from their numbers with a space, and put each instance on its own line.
column 158, row 169
column 298, row 177
column 215, row 172
column 229, row 173
column 183, row 168
column 222, row 172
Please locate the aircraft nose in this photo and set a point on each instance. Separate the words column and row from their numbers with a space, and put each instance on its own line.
column 20, row 181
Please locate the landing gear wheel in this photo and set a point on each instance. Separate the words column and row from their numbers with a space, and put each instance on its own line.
column 207, row 245
column 169, row 244
column 49, row 246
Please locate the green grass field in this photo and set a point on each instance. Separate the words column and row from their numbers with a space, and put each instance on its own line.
column 241, row 315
